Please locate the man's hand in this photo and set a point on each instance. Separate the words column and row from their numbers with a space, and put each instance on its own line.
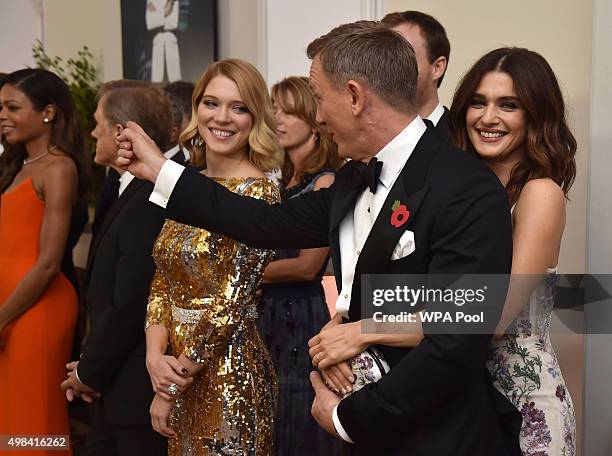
column 160, row 412
column 138, row 153
column 323, row 404
column 74, row 388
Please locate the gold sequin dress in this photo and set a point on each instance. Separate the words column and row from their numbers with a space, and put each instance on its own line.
column 203, row 293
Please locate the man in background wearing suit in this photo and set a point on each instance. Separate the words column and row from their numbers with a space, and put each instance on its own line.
column 438, row 398
column 179, row 93
column 120, row 269
column 432, row 49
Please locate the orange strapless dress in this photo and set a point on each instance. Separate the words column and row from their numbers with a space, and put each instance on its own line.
column 32, row 365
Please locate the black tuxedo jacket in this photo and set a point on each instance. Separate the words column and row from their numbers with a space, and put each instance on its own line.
column 438, row 398
column 120, row 271
column 109, row 191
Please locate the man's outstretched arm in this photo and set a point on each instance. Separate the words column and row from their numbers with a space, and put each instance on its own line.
column 193, row 199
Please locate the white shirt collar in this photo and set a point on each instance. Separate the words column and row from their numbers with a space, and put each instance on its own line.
column 174, row 150
column 397, row 152
column 436, row 115
column 124, row 181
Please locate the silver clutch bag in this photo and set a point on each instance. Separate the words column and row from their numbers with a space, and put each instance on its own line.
column 368, row 367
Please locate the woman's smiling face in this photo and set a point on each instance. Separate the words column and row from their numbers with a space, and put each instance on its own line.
column 224, row 121
column 495, row 119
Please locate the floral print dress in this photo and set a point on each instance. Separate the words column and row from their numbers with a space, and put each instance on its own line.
column 525, row 369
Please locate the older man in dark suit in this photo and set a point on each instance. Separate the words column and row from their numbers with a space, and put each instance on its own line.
column 120, row 269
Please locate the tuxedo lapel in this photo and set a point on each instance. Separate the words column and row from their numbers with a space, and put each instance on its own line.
column 409, row 190
column 115, row 208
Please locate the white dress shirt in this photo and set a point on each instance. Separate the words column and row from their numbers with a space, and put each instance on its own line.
column 436, row 115
column 124, row 181
column 356, row 225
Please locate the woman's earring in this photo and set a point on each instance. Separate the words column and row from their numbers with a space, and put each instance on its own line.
column 46, row 120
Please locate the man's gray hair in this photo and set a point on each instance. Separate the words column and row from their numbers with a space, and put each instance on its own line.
column 371, row 53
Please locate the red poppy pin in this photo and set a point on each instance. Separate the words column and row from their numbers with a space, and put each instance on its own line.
column 400, row 214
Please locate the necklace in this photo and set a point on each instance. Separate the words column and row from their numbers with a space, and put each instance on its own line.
column 27, row 161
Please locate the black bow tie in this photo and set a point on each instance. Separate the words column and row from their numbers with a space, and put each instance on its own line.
column 429, row 123
column 364, row 176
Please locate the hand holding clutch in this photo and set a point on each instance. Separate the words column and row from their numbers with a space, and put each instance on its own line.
column 336, row 343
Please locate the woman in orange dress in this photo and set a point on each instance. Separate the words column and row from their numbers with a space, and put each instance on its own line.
column 42, row 172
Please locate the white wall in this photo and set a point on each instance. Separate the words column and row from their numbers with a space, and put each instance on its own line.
column 239, row 29
column 21, row 24
column 292, row 24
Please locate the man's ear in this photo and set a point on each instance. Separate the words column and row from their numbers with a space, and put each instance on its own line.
column 358, row 96
column 118, row 129
column 439, row 67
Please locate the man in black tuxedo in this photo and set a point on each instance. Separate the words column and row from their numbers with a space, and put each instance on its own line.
column 432, row 49
column 438, row 398
column 120, row 269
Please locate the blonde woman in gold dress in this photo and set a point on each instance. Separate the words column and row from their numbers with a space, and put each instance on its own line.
column 214, row 380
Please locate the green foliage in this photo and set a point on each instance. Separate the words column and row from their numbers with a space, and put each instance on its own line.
column 83, row 80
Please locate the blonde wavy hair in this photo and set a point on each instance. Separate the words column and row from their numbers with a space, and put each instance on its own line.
column 264, row 150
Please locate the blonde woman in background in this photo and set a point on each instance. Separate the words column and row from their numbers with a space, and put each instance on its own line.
column 202, row 310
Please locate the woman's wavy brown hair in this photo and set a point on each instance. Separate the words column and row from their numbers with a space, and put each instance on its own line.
column 264, row 150
column 550, row 147
column 44, row 88
column 304, row 106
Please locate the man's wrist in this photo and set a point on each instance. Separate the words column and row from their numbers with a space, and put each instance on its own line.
column 338, row 426
column 156, row 167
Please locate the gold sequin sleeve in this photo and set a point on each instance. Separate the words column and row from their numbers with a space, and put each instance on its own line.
column 159, row 306
column 236, row 300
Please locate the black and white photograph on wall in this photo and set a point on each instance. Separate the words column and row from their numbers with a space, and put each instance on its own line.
column 168, row 40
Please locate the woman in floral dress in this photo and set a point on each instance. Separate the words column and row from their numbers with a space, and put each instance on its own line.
column 509, row 110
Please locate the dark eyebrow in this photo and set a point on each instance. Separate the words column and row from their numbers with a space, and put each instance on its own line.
column 480, row 96
column 513, row 99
